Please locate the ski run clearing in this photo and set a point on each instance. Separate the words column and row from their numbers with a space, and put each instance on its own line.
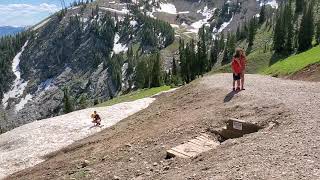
column 25, row 146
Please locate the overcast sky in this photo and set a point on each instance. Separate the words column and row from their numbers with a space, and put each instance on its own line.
column 27, row 12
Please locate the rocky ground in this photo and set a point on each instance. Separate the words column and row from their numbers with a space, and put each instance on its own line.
column 135, row 148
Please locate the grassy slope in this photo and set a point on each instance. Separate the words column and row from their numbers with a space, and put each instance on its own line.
column 134, row 96
column 294, row 63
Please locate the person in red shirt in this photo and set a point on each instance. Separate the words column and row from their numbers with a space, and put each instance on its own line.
column 243, row 61
column 236, row 69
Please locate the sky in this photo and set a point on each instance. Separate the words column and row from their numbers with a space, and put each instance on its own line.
column 27, row 12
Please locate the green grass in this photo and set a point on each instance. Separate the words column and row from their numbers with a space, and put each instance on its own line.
column 139, row 94
column 257, row 62
column 294, row 63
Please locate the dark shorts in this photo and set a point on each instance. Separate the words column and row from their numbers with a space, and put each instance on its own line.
column 236, row 77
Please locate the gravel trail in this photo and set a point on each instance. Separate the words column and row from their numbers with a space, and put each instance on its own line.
column 290, row 151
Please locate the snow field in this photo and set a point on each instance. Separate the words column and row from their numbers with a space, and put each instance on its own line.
column 25, row 146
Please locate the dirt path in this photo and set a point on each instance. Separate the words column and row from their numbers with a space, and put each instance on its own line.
column 135, row 148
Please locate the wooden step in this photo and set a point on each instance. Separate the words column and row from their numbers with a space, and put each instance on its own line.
column 193, row 147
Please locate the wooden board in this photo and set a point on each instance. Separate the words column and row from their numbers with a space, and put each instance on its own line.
column 193, row 147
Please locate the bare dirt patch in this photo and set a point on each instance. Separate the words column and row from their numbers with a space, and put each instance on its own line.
column 310, row 73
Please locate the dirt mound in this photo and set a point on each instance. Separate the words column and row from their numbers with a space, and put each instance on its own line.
column 310, row 73
column 136, row 147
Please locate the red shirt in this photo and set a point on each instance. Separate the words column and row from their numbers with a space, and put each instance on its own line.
column 236, row 65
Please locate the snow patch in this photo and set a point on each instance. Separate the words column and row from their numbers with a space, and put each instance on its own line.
column 117, row 46
column 124, row 73
column 76, row 7
column 167, row 8
column 174, row 25
column 272, row 3
column 133, row 23
column 150, row 14
column 170, row 9
column 124, row 11
column 207, row 13
column 41, row 24
column 184, row 12
column 224, row 25
column 45, row 85
column 26, row 145
column 19, row 84
column 23, row 102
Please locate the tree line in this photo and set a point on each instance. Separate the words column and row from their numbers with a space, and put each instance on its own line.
column 295, row 28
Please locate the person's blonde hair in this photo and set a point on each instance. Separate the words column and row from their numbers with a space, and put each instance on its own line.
column 243, row 52
column 237, row 53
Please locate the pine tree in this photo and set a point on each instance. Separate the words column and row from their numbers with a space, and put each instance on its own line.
column 131, row 64
column 202, row 52
column 214, row 53
column 140, row 77
column 244, row 32
column 114, row 69
column 222, row 42
column 318, row 33
column 306, row 29
column 156, row 71
column 82, row 102
column 225, row 59
column 193, row 65
column 289, row 28
column 183, row 61
column 252, row 31
column 67, row 102
column 279, row 32
column 174, row 67
column 262, row 16
column 299, row 6
column 238, row 33
column 229, row 49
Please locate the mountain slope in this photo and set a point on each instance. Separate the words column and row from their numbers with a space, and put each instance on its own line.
column 82, row 49
column 136, row 147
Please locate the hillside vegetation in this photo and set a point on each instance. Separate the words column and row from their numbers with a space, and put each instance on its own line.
column 294, row 63
column 139, row 94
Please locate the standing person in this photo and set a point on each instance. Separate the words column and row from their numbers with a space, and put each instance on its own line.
column 236, row 69
column 96, row 118
column 243, row 62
